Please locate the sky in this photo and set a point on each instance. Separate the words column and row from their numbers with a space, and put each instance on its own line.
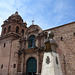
column 45, row 13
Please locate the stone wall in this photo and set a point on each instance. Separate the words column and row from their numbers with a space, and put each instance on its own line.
column 4, row 55
column 8, row 56
column 65, row 38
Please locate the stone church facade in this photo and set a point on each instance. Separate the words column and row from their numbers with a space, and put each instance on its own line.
column 22, row 47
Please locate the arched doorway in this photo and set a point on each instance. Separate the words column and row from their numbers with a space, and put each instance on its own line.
column 31, row 66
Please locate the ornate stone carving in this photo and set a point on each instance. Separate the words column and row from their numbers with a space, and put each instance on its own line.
column 47, row 60
column 56, row 60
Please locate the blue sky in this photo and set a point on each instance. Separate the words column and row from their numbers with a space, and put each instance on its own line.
column 46, row 13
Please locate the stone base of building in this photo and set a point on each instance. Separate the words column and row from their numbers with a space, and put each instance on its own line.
column 19, row 73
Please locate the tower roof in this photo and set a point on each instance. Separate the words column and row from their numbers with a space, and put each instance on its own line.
column 15, row 16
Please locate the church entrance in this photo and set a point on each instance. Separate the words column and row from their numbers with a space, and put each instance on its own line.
column 31, row 66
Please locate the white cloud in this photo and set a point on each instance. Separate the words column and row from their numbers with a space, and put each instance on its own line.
column 46, row 13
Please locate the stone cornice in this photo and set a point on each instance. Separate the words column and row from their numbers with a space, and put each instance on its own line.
column 9, row 34
column 31, row 50
column 59, row 26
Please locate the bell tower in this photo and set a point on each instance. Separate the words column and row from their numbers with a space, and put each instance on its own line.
column 14, row 24
column 12, row 29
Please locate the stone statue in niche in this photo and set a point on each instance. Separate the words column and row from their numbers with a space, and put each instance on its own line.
column 47, row 60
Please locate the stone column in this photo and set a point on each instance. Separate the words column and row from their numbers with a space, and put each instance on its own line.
column 37, row 63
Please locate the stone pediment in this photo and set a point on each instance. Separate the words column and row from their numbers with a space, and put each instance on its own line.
column 31, row 50
column 33, row 29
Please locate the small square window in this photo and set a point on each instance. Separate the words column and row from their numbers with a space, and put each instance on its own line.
column 2, row 66
column 61, row 38
column 14, row 66
column 74, row 34
column 4, row 44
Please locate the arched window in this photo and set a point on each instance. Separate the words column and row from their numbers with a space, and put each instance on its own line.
column 4, row 44
column 17, row 29
column 61, row 38
column 4, row 30
column 9, row 28
column 31, row 41
column 22, row 32
column 2, row 66
column 14, row 66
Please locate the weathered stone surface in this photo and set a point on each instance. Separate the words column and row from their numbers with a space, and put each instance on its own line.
column 49, row 66
column 8, row 54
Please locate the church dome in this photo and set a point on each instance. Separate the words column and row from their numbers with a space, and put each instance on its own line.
column 15, row 16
